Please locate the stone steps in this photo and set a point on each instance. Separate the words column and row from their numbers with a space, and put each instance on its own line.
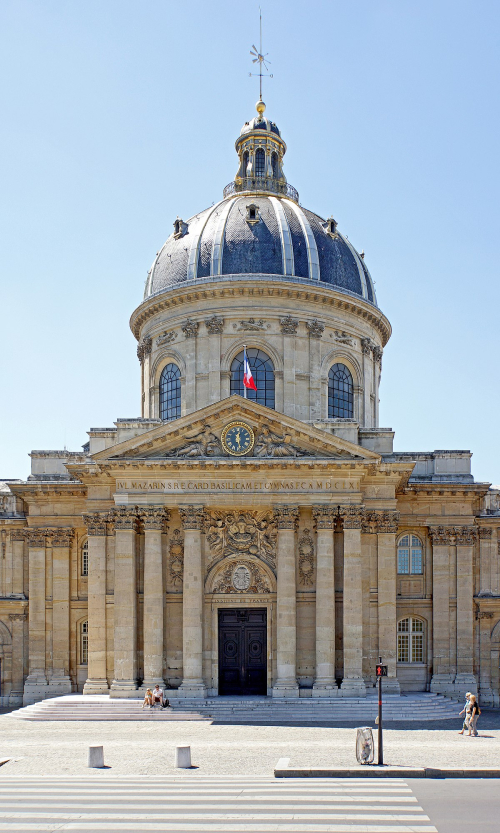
column 244, row 710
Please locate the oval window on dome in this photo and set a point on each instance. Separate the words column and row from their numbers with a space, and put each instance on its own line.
column 263, row 374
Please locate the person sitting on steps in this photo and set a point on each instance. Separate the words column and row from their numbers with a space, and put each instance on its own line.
column 157, row 695
column 148, row 698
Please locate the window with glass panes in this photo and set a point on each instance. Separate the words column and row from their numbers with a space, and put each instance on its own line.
column 170, row 393
column 410, row 640
column 85, row 558
column 340, row 393
column 84, row 643
column 263, row 374
column 410, row 559
column 260, row 163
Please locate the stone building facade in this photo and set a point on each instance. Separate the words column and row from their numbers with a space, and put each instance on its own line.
column 270, row 544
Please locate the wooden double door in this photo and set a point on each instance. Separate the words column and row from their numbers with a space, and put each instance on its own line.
column 242, row 651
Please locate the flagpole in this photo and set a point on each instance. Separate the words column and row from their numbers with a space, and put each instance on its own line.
column 244, row 365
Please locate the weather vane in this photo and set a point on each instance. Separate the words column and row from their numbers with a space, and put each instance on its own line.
column 260, row 58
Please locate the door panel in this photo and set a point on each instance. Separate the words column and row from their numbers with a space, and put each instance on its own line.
column 242, row 652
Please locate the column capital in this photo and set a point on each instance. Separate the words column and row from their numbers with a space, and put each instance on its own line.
column 192, row 517
column 387, row 521
column 465, row 535
column 441, row 535
column 324, row 516
column 18, row 534
column 96, row 522
column 485, row 531
column 36, row 536
column 286, row 516
column 352, row 516
column 18, row 617
column 62, row 536
column 214, row 325
column 315, row 328
column 154, row 517
column 125, row 518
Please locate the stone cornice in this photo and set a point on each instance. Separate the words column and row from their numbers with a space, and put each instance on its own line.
column 257, row 287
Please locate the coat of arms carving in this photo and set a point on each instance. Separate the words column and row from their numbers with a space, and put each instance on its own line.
column 242, row 533
column 242, row 577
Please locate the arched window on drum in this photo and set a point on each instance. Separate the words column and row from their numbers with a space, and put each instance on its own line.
column 340, row 393
column 170, row 393
column 410, row 558
column 274, row 164
column 411, row 632
column 263, row 374
column 260, row 163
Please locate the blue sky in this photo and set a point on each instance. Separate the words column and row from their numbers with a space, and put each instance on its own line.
column 119, row 116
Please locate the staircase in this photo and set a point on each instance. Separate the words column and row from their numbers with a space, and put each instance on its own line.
column 407, row 708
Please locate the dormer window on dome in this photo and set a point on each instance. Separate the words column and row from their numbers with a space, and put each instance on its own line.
column 253, row 215
column 180, row 228
column 331, row 227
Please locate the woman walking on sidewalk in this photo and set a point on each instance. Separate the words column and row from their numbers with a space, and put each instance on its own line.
column 466, row 713
column 475, row 711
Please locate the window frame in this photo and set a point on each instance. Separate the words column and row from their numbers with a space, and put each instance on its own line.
column 84, row 559
column 343, row 395
column 264, row 374
column 84, row 642
column 411, row 642
column 411, row 549
column 260, row 170
column 173, row 395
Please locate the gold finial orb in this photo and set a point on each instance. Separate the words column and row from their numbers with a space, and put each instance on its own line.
column 260, row 107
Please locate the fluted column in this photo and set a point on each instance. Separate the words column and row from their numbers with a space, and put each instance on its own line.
column 192, row 604
column 324, row 683
column 97, row 528
column 125, row 607
column 17, row 537
column 17, row 621
column 387, row 527
column 154, row 520
column 286, row 604
column 465, row 679
column 442, row 679
column 353, row 684
column 35, row 687
column 60, row 682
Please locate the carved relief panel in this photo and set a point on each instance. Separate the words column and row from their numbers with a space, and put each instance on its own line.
column 241, row 533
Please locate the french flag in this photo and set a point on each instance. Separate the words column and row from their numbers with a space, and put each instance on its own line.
column 248, row 381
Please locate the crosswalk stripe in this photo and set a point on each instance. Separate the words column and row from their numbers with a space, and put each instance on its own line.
column 209, row 805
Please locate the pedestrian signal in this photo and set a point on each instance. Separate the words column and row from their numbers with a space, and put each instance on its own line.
column 381, row 670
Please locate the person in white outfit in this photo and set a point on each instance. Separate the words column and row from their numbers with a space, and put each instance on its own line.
column 157, row 695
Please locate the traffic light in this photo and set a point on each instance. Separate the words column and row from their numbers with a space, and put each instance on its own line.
column 381, row 670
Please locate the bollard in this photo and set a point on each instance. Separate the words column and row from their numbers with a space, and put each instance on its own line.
column 183, row 757
column 96, row 757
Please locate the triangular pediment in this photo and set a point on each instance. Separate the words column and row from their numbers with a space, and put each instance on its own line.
column 200, row 435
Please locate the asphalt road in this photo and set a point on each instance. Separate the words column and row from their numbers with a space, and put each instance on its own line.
column 459, row 805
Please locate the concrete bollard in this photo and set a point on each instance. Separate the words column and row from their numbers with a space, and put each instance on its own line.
column 96, row 757
column 183, row 757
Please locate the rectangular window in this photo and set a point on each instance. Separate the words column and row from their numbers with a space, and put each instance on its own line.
column 403, row 560
column 85, row 559
column 403, row 647
column 84, row 644
column 417, row 647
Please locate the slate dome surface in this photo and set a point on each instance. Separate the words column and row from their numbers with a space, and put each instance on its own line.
column 287, row 240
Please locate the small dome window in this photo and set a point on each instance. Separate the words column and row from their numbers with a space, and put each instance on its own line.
column 180, row 228
column 253, row 215
column 274, row 164
column 331, row 227
column 245, row 164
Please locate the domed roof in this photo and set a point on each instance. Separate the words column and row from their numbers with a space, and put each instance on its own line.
column 259, row 229
column 266, row 236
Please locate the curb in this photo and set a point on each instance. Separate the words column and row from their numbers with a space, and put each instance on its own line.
column 373, row 771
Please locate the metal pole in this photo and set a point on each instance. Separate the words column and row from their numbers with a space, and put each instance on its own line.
column 380, row 740
column 244, row 360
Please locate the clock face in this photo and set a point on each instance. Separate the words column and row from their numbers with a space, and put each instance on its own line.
column 237, row 438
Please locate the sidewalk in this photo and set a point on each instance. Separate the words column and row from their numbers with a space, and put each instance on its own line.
column 136, row 748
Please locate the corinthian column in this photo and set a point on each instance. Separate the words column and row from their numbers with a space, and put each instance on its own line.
column 387, row 527
column 442, row 679
column 97, row 682
column 465, row 679
column 324, row 683
column 353, row 684
column 61, row 543
column 286, row 628
column 125, row 607
column 154, row 524
column 192, row 604
column 35, row 687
